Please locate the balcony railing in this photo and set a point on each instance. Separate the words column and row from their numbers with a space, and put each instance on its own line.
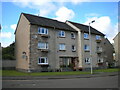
column 44, row 50
column 44, row 35
column 98, row 40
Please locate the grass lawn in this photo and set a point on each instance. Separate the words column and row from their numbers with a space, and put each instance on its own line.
column 107, row 70
column 16, row 73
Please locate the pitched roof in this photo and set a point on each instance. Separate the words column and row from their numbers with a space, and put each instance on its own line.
column 85, row 28
column 42, row 21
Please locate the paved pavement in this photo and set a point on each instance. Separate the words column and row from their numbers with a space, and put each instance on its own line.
column 93, row 82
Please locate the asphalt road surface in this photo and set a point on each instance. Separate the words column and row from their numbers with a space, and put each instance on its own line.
column 93, row 82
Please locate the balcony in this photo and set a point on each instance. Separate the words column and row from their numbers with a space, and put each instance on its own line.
column 98, row 40
column 44, row 35
column 44, row 50
column 87, row 50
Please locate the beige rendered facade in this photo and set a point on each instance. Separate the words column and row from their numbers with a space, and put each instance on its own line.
column 44, row 44
column 117, row 48
column 22, row 44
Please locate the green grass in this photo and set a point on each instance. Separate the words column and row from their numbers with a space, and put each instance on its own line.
column 0, row 72
column 107, row 70
column 16, row 73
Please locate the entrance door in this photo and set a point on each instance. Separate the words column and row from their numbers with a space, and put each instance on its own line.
column 74, row 62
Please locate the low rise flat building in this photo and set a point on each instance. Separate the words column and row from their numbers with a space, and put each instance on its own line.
column 44, row 44
column 117, row 48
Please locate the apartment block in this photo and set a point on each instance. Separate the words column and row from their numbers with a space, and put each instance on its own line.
column 101, row 48
column 117, row 49
column 44, row 44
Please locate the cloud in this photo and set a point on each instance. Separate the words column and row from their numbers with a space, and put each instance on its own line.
column 64, row 14
column 47, row 9
column 43, row 7
column 79, row 1
column 13, row 26
column 5, row 44
column 104, row 25
column 5, row 34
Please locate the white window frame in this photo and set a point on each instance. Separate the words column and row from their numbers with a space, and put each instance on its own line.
column 87, row 60
column 74, row 48
column 62, row 46
column 86, row 36
column 45, row 58
column 101, row 60
column 87, row 49
column 72, row 36
column 61, row 33
column 45, row 45
column 40, row 30
column 98, row 37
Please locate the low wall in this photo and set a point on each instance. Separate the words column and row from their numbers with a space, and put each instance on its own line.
column 8, row 64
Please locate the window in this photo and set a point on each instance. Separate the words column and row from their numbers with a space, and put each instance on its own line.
column 42, row 45
column 72, row 35
column 87, row 60
column 73, row 48
column 86, row 47
column 43, row 60
column 24, row 55
column 98, row 48
column 98, row 37
column 61, row 33
column 62, row 47
column 42, row 30
column 100, row 60
column 86, row 36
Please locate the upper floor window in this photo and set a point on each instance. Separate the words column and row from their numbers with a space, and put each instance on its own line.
column 86, row 47
column 72, row 35
column 86, row 36
column 87, row 60
column 98, row 37
column 42, row 30
column 73, row 48
column 43, row 60
column 61, row 33
column 62, row 46
column 42, row 45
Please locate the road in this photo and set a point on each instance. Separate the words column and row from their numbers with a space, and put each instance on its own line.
column 93, row 82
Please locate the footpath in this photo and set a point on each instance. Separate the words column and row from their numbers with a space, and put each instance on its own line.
column 100, row 74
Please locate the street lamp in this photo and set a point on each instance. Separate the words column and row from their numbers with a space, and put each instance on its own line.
column 90, row 43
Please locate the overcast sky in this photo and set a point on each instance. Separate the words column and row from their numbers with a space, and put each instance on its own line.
column 105, row 15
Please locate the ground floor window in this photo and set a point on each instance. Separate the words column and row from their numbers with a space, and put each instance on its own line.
column 100, row 60
column 43, row 60
column 87, row 60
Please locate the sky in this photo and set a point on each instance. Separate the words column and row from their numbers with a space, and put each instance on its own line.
column 105, row 15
